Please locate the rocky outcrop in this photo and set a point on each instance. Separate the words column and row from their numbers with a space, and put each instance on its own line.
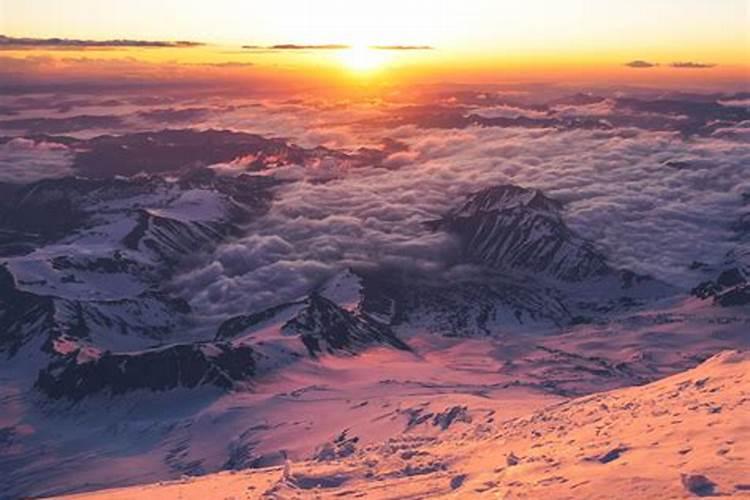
column 22, row 314
column 170, row 239
column 731, row 287
column 186, row 366
column 325, row 327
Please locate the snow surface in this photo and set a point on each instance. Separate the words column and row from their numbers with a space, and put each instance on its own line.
column 681, row 437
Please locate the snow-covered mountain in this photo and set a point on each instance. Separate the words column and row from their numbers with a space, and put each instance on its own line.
column 96, row 279
column 530, row 269
column 729, row 283
column 518, row 230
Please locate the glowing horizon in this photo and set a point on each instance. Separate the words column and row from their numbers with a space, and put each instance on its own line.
column 675, row 28
column 571, row 39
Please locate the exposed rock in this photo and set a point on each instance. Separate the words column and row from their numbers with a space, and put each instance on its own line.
column 22, row 314
column 238, row 324
column 326, row 328
column 732, row 284
column 187, row 366
column 458, row 481
column 612, row 455
column 698, row 484
column 341, row 447
column 451, row 415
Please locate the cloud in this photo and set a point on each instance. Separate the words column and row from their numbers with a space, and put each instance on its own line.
column 62, row 125
column 616, row 189
column 89, row 75
column 402, row 47
column 26, row 160
column 174, row 115
column 616, row 184
column 691, row 65
column 331, row 46
column 508, row 111
column 292, row 46
column 12, row 43
column 639, row 64
column 227, row 64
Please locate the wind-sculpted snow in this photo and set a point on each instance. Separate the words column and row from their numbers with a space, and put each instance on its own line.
column 605, row 445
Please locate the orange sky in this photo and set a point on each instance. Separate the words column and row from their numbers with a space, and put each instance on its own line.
column 473, row 40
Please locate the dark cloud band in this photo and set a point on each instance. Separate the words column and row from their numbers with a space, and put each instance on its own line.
column 10, row 43
column 334, row 46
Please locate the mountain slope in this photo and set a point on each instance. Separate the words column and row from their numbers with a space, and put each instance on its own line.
column 681, row 437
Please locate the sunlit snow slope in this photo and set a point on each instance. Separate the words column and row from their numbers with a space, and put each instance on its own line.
column 680, row 437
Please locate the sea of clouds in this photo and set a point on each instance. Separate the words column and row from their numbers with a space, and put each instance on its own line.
column 618, row 187
column 653, row 201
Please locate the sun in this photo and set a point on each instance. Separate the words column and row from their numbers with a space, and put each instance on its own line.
column 363, row 59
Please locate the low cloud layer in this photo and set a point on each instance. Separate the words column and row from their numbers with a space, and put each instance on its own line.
column 619, row 189
column 25, row 160
column 651, row 198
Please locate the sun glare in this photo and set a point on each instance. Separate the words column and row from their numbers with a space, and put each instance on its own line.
column 363, row 59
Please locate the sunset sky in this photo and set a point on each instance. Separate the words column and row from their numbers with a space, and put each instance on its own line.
column 533, row 38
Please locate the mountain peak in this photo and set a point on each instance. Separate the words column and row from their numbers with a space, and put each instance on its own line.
column 506, row 197
column 521, row 230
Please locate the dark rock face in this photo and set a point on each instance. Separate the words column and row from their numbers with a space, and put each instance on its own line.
column 451, row 415
column 246, row 190
column 341, row 447
column 22, row 314
column 736, row 296
column 171, row 150
column 324, row 327
column 732, row 285
column 612, row 455
column 39, row 212
column 142, row 231
column 698, row 484
column 179, row 150
column 320, row 324
column 462, row 309
column 187, row 366
column 25, row 316
column 236, row 325
column 511, row 228
column 116, row 264
column 170, row 239
column 50, row 209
